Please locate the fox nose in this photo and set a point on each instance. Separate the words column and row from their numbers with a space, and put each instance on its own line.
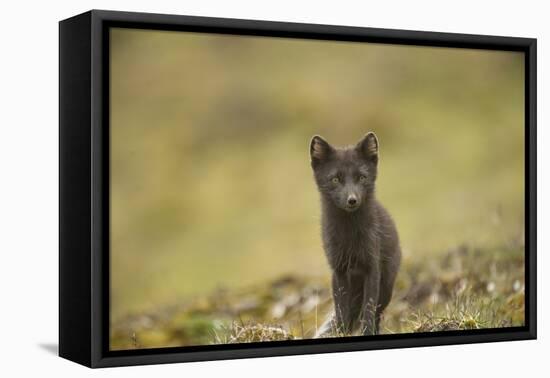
column 352, row 200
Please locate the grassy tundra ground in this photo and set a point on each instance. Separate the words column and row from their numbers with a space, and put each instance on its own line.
column 464, row 288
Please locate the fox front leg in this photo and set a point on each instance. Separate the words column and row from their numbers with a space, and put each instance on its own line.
column 347, row 294
column 371, row 294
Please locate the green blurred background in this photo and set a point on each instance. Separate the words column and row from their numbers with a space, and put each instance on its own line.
column 210, row 178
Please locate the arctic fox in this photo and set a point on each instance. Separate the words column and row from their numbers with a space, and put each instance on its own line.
column 359, row 236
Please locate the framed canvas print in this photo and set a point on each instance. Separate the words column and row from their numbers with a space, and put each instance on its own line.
column 234, row 188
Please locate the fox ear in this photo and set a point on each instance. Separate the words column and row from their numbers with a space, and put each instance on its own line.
column 319, row 150
column 368, row 147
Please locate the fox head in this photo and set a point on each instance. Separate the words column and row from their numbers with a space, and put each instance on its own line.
column 345, row 176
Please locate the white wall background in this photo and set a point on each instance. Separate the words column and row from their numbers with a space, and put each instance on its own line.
column 29, row 186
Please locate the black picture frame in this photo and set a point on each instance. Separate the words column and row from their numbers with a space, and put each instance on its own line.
column 84, row 187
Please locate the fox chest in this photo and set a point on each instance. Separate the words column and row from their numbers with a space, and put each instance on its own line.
column 350, row 248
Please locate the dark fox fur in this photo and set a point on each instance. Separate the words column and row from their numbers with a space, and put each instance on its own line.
column 359, row 236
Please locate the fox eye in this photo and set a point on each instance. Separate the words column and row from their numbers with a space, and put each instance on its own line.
column 335, row 180
column 362, row 179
